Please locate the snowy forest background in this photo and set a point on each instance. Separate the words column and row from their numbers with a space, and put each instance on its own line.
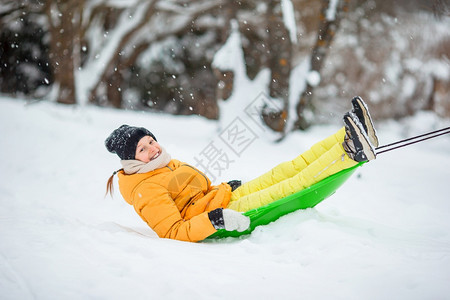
column 159, row 55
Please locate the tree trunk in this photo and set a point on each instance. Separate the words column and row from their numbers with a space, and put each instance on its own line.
column 114, row 89
column 225, row 78
column 280, row 47
column 327, row 29
column 64, row 20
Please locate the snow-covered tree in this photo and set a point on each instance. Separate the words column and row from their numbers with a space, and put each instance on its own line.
column 155, row 54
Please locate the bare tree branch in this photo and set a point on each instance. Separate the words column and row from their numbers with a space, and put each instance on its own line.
column 119, row 62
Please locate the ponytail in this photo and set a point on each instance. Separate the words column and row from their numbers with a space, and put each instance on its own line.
column 110, row 184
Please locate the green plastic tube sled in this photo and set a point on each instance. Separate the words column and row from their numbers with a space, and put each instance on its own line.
column 303, row 199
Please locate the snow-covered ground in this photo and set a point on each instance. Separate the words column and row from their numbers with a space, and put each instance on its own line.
column 384, row 235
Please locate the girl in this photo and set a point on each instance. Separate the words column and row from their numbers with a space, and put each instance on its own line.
column 179, row 202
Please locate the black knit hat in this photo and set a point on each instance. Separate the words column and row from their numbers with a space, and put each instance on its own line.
column 123, row 141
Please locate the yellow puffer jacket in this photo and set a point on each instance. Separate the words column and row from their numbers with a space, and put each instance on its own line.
column 175, row 200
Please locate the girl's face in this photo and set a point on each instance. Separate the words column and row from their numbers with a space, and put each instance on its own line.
column 147, row 149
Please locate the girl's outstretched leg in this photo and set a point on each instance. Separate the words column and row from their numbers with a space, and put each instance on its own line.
column 331, row 162
column 290, row 168
column 352, row 147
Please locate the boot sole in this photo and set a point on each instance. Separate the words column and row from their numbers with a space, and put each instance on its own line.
column 365, row 150
column 362, row 112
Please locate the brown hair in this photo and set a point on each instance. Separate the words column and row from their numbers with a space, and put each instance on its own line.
column 110, row 184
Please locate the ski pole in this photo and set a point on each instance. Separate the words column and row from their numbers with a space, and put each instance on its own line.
column 414, row 140
column 414, row 137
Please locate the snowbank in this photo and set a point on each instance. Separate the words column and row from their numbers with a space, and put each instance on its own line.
column 385, row 234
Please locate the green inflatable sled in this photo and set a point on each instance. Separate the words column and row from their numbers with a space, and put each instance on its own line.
column 303, row 199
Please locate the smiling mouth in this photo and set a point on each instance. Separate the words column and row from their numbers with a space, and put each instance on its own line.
column 156, row 155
